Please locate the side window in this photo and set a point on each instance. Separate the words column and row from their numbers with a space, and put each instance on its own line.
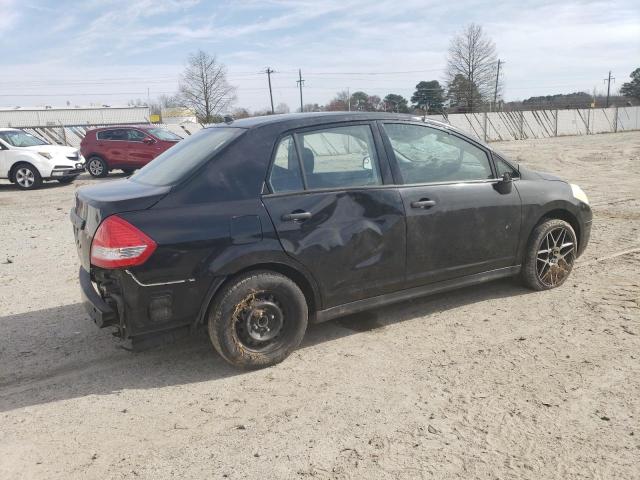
column 427, row 155
column 503, row 167
column 285, row 173
column 135, row 135
column 104, row 135
column 339, row 157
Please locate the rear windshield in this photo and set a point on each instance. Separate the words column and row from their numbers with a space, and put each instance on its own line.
column 185, row 157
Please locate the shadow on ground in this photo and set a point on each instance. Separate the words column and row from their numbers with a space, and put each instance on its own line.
column 57, row 354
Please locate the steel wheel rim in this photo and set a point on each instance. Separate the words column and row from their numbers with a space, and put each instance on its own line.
column 95, row 167
column 25, row 177
column 555, row 257
column 249, row 321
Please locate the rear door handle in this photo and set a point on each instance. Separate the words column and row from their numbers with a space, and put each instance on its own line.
column 296, row 216
column 424, row 203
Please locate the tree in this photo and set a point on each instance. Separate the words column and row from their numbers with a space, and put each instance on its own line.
column 472, row 55
column 632, row 88
column 241, row 112
column 463, row 94
column 359, row 101
column 340, row 102
column 396, row 103
column 429, row 96
column 204, row 88
column 282, row 108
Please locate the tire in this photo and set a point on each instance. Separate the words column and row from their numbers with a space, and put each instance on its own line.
column 26, row 176
column 245, row 315
column 97, row 167
column 550, row 255
column 66, row 180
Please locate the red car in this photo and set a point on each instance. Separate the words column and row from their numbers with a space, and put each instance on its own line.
column 125, row 148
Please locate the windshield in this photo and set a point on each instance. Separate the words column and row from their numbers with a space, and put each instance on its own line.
column 163, row 134
column 184, row 158
column 18, row 138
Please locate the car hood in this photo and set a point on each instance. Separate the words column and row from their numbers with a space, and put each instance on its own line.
column 53, row 149
column 527, row 174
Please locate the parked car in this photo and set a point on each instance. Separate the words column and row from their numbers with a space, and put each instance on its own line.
column 27, row 160
column 124, row 148
column 256, row 227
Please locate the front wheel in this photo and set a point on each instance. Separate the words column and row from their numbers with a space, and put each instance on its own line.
column 258, row 319
column 97, row 167
column 27, row 177
column 550, row 255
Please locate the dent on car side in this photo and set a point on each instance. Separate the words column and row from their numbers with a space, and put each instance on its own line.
column 224, row 220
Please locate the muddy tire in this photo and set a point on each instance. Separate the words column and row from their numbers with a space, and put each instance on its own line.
column 550, row 255
column 257, row 319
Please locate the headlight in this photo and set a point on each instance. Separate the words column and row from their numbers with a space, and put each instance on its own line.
column 579, row 194
column 45, row 154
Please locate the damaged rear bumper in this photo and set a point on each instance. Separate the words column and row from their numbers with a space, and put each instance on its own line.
column 99, row 311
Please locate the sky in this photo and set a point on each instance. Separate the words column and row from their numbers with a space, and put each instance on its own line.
column 108, row 52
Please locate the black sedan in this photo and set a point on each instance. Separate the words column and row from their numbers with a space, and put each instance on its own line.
column 254, row 228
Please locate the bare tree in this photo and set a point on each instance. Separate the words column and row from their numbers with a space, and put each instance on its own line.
column 204, row 87
column 472, row 63
column 282, row 108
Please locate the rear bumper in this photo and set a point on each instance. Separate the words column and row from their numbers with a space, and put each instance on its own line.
column 101, row 313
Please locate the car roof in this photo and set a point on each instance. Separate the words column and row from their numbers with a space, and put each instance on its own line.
column 11, row 130
column 292, row 120
column 113, row 127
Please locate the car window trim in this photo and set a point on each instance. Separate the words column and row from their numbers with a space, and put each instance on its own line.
column 500, row 157
column 293, row 132
column 399, row 179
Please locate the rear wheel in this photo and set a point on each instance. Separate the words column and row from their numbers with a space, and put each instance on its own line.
column 258, row 319
column 97, row 167
column 550, row 255
column 27, row 177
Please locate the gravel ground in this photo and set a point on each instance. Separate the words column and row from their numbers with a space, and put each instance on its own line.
column 493, row 381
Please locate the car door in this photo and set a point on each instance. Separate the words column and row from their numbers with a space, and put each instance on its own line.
column 459, row 220
column 4, row 160
column 334, row 214
column 113, row 144
column 141, row 148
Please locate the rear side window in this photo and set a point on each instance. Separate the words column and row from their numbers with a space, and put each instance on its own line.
column 426, row 155
column 104, row 135
column 285, row 172
column 339, row 157
column 180, row 161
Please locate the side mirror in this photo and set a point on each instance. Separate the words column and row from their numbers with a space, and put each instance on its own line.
column 148, row 141
column 366, row 163
column 505, row 185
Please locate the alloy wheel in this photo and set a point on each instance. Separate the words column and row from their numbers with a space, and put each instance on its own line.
column 555, row 257
column 95, row 167
column 25, row 177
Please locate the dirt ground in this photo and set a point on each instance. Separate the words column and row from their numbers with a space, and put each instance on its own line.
column 489, row 382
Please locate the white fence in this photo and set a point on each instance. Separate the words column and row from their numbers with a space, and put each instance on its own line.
column 499, row 126
column 72, row 116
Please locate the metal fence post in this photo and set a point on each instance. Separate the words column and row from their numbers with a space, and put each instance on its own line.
column 615, row 122
column 521, row 125
column 555, row 127
column 484, row 125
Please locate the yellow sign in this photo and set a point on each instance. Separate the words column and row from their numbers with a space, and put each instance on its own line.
column 154, row 118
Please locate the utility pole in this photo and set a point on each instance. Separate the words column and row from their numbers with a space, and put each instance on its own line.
column 349, row 99
column 269, row 71
column 300, row 82
column 608, row 80
column 495, row 92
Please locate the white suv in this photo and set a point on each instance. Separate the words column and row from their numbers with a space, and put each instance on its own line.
column 26, row 160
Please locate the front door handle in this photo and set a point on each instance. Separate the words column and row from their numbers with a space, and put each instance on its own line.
column 296, row 216
column 423, row 203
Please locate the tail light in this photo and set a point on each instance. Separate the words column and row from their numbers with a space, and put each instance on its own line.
column 118, row 244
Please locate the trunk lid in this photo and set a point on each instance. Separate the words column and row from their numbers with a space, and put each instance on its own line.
column 95, row 203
